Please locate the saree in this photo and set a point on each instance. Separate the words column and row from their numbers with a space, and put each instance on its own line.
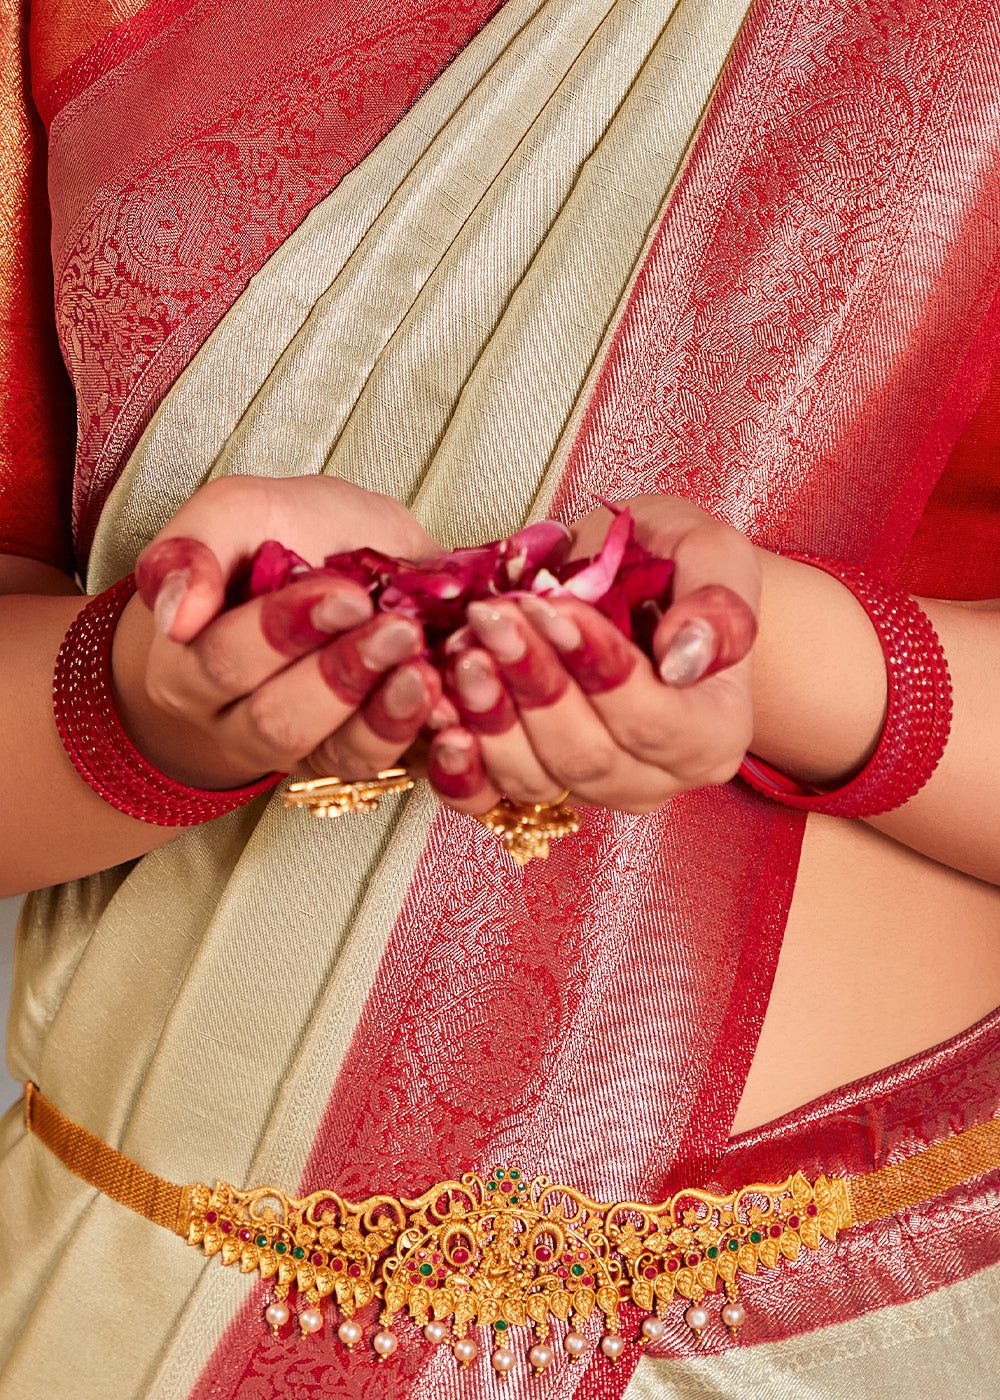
column 594, row 249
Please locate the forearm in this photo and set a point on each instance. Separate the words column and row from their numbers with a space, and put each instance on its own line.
column 819, row 707
column 53, row 827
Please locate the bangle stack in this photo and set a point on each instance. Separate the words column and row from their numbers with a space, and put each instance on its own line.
column 95, row 739
column 918, row 715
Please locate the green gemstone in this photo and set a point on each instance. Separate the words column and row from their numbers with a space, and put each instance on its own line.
column 280, row 1247
column 491, row 1186
column 262, row 1240
column 733, row 1245
column 499, row 1173
column 755, row 1237
column 298, row 1253
column 514, row 1175
column 500, row 1326
column 712, row 1253
column 515, row 1200
column 576, row 1270
column 426, row 1269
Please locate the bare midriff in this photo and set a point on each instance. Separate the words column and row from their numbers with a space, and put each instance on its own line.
column 886, row 954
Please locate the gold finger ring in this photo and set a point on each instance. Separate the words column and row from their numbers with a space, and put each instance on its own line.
column 329, row 797
column 525, row 829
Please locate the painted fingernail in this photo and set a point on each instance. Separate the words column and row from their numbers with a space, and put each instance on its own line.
column 497, row 632
column 689, row 655
column 404, row 693
column 454, row 755
column 555, row 626
column 339, row 611
column 169, row 598
column 477, row 683
column 389, row 644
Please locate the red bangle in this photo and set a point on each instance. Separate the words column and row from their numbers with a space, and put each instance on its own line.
column 96, row 742
column 918, row 715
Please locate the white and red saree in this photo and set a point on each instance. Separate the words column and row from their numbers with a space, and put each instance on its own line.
column 498, row 260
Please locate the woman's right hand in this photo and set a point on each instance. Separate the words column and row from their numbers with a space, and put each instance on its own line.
column 306, row 679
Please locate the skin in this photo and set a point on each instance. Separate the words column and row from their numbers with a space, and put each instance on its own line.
column 308, row 681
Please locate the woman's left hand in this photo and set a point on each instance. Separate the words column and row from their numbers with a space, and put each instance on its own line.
column 555, row 698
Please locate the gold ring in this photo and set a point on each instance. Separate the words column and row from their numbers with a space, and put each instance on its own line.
column 329, row 797
column 526, row 829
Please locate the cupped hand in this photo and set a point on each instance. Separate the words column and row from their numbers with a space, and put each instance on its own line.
column 556, row 699
column 307, row 679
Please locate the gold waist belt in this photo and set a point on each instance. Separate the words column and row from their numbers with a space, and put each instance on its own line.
column 504, row 1251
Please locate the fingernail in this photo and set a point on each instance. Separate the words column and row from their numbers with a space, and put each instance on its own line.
column 404, row 693
column 478, row 685
column 389, row 644
column 454, row 756
column 339, row 611
column 498, row 632
column 443, row 716
column 169, row 599
column 689, row 655
column 559, row 629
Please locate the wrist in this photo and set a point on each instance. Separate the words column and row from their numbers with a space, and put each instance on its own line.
column 819, row 680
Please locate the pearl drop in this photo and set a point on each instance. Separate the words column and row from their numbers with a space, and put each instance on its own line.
column 466, row 1350
column 696, row 1317
column 541, row 1356
column 734, row 1314
column 653, row 1328
column 612, row 1346
column 435, row 1332
column 575, row 1344
column 311, row 1320
column 385, row 1343
column 277, row 1315
column 349, row 1333
column 503, row 1360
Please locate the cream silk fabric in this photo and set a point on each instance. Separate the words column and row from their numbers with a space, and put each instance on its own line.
column 434, row 324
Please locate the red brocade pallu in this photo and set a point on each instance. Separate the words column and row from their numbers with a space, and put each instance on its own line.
column 809, row 331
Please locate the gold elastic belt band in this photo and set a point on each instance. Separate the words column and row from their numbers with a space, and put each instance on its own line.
column 504, row 1250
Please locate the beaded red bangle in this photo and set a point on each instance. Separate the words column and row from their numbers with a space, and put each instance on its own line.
column 918, row 714
column 96, row 742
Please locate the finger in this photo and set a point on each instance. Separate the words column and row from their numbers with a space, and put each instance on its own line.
column 694, row 736
column 711, row 623
column 569, row 737
column 294, row 712
column 375, row 736
column 488, row 712
column 455, row 769
column 183, row 584
column 245, row 646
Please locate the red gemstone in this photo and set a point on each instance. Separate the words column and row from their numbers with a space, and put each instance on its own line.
column 793, row 1220
column 693, row 1259
column 429, row 1282
column 317, row 1258
column 776, row 1232
column 587, row 1281
column 673, row 1265
column 812, row 1210
column 561, row 1273
column 226, row 1226
column 355, row 1271
column 460, row 1255
column 435, row 1258
column 507, row 1187
column 210, row 1217
column 542, row 1254
column 336, row 1265
column 651, row 1272
column 246, row 1236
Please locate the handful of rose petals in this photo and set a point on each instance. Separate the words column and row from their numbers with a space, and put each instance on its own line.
column 624, row 581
